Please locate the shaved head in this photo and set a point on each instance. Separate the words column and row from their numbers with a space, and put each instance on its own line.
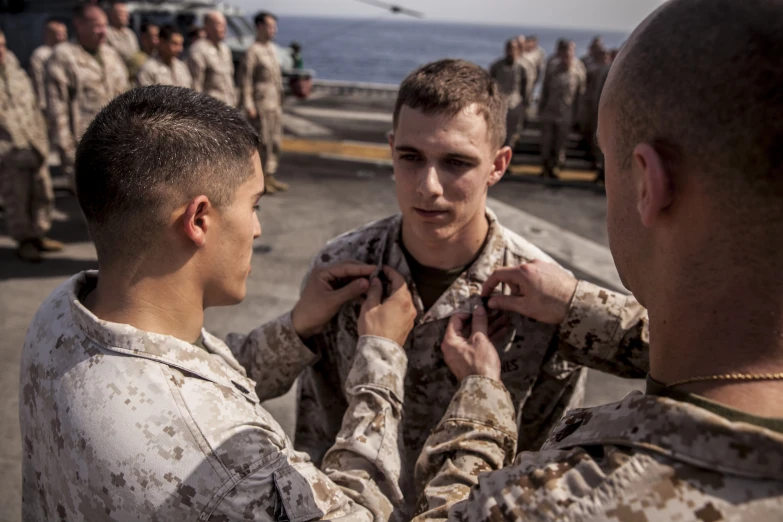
column 702, row 81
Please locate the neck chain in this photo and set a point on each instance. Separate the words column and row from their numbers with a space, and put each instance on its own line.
column 730, row 377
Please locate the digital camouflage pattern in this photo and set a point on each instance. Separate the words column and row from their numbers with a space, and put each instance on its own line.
column 563, row 87
column 38, row 72
column 155, row 72
column 78, row 86
column 123, row 40
column 212, row 69
column 643, row 459
column 121, row 424
column 25, row 183
column 541, row 364
column 538, row 58
column 512, row 80
column 261, row 87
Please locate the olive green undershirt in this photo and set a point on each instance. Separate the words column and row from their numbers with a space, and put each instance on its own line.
column 431, row 283
column 661, row 390
column 199, row 343
column 97, row 55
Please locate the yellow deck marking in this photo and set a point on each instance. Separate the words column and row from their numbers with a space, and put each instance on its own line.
column 373, row 151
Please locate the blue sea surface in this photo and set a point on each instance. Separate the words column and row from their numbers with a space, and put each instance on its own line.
column 386, row 50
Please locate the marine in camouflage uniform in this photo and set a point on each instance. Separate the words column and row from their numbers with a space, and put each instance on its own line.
column 663, row 455
column 78, row 85
column 542, row 364
column 123, row 40
column 212, row 69
column 38, row 72
column 24, row 174
column 121, row 424
column 512, row 80
column 261, row 84
column 155, row 72
column 563, row 87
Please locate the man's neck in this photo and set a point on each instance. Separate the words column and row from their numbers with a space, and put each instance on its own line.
column 119, row 27
column 453, row 252
column 262, row 39
column 149, row 304
column 216, row 43
column 169, row 60
column 90, row 50
column 726, row 326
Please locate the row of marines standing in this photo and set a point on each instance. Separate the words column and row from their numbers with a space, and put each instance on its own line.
column 73, row 80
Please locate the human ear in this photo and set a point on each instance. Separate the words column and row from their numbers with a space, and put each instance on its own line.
column 500, row 165
column 197, row 219
column 654, row 183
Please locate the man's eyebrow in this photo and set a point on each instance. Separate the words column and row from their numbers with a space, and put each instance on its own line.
column 462, row 157
column 259, row 194
column 406, row 148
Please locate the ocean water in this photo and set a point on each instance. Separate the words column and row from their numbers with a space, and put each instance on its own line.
column 386, row 50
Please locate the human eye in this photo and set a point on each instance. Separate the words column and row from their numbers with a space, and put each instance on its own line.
column 409, row 156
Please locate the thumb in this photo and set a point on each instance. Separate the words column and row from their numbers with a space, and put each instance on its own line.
column 350, row 291
column 374, row 295
column 480, row 320
column 510, row 303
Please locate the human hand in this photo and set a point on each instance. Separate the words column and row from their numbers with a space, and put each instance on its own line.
column 322, row 296
column 468, row 350
column 539, row 290
column 393, row 317
column 252, row 113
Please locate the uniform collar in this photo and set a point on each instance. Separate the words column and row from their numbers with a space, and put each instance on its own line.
column 678, row 430
column 464, row 294
column 216, row 364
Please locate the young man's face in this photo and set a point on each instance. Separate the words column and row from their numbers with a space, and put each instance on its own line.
column 443, row 166
column 229, row 252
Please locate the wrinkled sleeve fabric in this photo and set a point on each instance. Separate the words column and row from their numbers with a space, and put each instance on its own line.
column 273, row 356
column 477, row 434
column 198, row 66
column 607, row 331
column 246, row 79
column 58, row 91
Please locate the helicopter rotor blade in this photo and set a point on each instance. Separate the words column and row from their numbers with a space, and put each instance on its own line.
column 395, row 9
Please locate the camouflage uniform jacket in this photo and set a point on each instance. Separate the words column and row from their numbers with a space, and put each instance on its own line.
column 212, row 69
column 605, row 330
column 121, row 424
column 512, row 80
column 261, row 82
column 562, row 90
column 21, row 123
column 538, row 58
column 38, row 72
column 155, row 72
column 642, row 459
column 78, row 87
column 123, row 40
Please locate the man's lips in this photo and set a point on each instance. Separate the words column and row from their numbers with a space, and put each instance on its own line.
column 430, row 213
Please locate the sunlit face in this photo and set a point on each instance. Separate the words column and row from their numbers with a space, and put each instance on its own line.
column 443, row 166
column 119, row 15
column 229, row 248
column 56, row 33
column 3, row 49
column 91, row 29
column 215, row 27
column 626, row 232
column 268, row 29
column 150, row 39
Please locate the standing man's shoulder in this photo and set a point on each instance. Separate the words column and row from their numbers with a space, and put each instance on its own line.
column 198, row 48
column 41, row 54
column 365, row 244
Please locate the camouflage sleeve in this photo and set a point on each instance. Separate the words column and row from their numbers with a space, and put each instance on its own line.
column 58, row 91
column 246, row 79
column 273, row 356
column 198, row 67
column 37, row 74
column 607, row 331
column 544, row 91
column 477, row 434
column 145, row 77
column 364, row 459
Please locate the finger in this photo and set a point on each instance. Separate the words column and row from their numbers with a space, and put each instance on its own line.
column 479, row 320
column 349, row 269
column 498, row 323
column 511, row 303
column 508, row 275
column 350, row 291
column 373, row 295
column 455, row 327
column 396, row 281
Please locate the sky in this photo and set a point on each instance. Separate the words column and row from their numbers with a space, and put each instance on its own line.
column 619, row 15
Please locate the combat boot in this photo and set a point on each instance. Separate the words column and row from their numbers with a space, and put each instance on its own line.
column 45, row 244
column 279, row 185
column 28, row 252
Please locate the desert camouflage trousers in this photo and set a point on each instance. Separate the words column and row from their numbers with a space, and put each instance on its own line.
column 28, row 198
column 269, row 125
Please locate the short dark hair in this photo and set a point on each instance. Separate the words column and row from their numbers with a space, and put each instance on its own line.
column 447, row 87
column 145, row 27
column 81, row 8
column 261, row 17
column 193, row 30
column 167, row 31
column 712, row 106
column 151, row 149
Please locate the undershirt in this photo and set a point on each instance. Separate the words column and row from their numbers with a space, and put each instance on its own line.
column 430, row 282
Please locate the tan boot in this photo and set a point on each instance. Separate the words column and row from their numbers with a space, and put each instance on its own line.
column 28, row 252
column 269, row 187
column 279, row 185
column 46, row 244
